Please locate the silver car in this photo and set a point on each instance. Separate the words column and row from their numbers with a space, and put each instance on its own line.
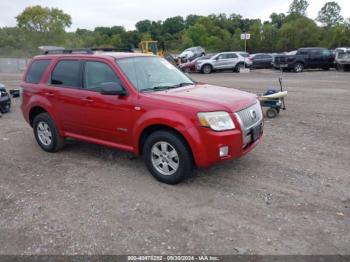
column 223, row 61
column 342, row 58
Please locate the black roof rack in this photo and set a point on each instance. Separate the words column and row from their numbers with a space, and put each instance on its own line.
column 112, row 49
column 69, row 51
column 86, row 50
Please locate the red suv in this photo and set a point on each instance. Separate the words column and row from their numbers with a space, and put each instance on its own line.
column 139, row 103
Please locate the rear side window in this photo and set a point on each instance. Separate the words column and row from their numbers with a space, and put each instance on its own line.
column 67, row 73
column 36, row 71
column 232, row 56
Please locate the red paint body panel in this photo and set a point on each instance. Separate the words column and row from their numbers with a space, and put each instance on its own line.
column 119, row 121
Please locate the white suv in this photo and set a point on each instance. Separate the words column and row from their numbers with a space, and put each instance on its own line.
column 224, row 61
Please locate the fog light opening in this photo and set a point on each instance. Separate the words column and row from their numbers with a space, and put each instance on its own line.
column 223, row 152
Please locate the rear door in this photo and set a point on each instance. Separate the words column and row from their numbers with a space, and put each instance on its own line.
column 258, row 61
column 327, row 58
column 315, row 59
column 66, row 83
column 267, row 60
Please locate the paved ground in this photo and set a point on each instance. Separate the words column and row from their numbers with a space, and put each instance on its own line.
column 289, row 196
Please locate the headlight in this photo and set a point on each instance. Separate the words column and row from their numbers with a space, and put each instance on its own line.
column 218, row 121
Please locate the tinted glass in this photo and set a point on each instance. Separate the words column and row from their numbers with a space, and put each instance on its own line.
column 315, row 52
column 67, row 73
column 96, row 73
column 326, row 52
column 231, row 56
column 36, row 71
column 226, row 56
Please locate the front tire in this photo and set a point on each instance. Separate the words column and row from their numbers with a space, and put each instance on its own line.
column 167, row 157
column 298, row 67
column 46, row 133
column 207, row 69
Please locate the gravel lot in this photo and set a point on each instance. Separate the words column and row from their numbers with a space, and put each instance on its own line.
column 289, row 196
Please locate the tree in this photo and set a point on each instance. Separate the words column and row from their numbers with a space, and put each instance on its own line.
column 329, row 15
column 277, row 20
column 43, row 19
column 297, row 33
column 174, row 25
column 143, row 26
column 298, row 7
column 191, row 20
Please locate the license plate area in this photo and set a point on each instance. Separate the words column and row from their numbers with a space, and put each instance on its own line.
column 255, row 132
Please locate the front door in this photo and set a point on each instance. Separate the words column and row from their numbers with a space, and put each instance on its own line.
column 108, row 117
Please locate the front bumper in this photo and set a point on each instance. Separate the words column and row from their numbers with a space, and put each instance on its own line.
column 206, row 144
column 5, row 104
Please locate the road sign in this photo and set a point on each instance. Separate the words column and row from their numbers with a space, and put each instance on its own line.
column 245, row 36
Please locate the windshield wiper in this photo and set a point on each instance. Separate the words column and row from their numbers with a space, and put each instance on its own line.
column 185, row 84
column 157, row 88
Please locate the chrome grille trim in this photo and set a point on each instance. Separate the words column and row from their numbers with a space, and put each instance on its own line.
column 247, row 122
column 245, row 118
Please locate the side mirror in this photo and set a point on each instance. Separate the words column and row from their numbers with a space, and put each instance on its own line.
column 113, row 89
column 217, row 58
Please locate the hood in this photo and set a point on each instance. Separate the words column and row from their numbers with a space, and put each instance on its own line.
column 186, row 54
column 207, row 98
column 204, row 61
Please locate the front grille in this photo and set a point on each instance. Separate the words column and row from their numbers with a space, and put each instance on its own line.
column 3, row 93
column 250, row 116
column 280, row 59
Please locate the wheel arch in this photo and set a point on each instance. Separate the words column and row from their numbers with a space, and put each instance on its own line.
column 207, row 64
column 34, row 111
column 147, row 131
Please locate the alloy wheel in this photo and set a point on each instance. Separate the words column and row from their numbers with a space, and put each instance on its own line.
column 165, row 158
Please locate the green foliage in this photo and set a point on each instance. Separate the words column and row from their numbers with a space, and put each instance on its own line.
column 298, row 7
column 43, row 19
column 299, row 32
column 173, row 25
column 330, row 15
column 217, row 32
column 277, row 20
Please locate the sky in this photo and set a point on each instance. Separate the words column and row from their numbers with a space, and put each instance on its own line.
column 89, row 14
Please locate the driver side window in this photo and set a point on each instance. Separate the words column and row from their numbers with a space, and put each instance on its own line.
column 96, row 73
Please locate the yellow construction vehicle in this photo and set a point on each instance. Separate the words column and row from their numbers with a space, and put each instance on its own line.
column 151, row 47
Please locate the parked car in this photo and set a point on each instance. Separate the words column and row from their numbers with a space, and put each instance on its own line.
column 138, row 103
column 261, row 60
column 342, row 58
column 191, row 65
column 5, row 100
column 223, row 61
column 192, row 53
column 304, row 58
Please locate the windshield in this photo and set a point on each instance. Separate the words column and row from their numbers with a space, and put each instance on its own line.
column 153, row 73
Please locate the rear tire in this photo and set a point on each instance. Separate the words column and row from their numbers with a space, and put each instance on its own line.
column 238, row 67
column 46, row 133
column 167, row 157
